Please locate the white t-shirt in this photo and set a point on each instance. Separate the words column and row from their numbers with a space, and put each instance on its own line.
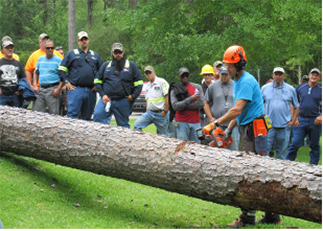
column 155, row 93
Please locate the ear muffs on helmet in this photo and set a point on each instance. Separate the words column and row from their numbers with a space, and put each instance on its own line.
column 241, row 64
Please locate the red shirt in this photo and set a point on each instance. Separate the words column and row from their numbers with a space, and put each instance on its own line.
column 188, row 116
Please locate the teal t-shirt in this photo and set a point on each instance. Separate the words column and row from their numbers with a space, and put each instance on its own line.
column 48, row 70
column 247, row 88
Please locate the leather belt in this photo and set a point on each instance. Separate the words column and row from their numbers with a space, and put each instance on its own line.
column 156, row 110
column 49, row 85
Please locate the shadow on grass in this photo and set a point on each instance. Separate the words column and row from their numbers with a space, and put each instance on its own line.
column 85, row 195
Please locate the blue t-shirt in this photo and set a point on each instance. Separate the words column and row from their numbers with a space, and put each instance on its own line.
column 247, row 88
column 310, row 100
column 277, row 101
column 48, row 70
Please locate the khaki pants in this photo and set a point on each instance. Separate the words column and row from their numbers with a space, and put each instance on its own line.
column 247, row 138
column 46, row 99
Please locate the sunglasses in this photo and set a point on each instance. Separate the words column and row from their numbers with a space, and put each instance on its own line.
column 147, row 72
column 278, row 73
column 309, row 91
column 49, row 48
column 84, row 39
column 185, row 75
column 117, row 52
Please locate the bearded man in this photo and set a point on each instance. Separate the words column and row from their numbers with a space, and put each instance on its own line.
column 119, row 83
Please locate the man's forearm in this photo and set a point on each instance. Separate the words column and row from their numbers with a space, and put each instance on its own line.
column 295, row 115
column 28, row 77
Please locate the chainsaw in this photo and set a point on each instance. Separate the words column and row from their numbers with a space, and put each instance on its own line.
column 214, row 135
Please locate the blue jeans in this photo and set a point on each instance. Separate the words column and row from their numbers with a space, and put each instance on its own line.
column 278, row 139
column 10, row 100
column 236, row 140
column 119, row 108
column 150, row 117
column 171, row 131
column 187, row 131
column 306, row 127
column 81, row 103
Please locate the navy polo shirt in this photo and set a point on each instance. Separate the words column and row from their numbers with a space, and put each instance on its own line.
column 310, row 100
column 80, row 68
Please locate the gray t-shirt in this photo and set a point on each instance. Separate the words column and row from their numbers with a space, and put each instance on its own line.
column 220, row 97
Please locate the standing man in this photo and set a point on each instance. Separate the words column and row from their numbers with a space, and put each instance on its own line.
column 11, row 71
column 33, row 58
column 50, row 83
column 186, row 99
column 208, row 75
column 78, row 70
column 156, row 94
column 15, row 56
column 32, row 61
column 309, row 121
column 60, row 50
column 119, row 83
column 248, row 105
column 278, row 96
column 216, row 66
column 218, row 101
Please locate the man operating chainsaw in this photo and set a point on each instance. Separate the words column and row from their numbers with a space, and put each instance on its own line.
column 218, row 101
column 248, row 108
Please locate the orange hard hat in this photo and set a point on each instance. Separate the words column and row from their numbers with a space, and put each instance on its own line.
column 234, row 54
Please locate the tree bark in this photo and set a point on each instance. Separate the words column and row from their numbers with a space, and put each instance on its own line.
column 231, row 178
column 132, row 4
column 71, row 24
column 89, row 12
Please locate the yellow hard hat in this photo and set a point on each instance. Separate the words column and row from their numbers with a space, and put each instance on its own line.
column 207, row 69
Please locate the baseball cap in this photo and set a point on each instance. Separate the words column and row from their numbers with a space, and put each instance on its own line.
column 305, row 77
column 279, row 69
column 7, row 43
column 149, row 68
column 82, row 34
column 183, row 70
column 6, row 38
column 216, row 63
column 43, row 36
column 117, row 46
column 315, row 70
column 223, row 70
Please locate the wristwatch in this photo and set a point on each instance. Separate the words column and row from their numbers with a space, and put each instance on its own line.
column 66, row 81
column 216, row 123
column 164, row 111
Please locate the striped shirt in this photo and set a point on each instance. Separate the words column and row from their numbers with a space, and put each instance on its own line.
column 48, row 70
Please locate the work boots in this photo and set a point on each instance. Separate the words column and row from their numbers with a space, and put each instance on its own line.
column 246, row 218
column 270, row 218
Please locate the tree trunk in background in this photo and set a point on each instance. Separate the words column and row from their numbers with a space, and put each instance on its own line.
column 71, row 24
column 231, row 178
column 89, row 12
column 45, row 16
column 132, row 4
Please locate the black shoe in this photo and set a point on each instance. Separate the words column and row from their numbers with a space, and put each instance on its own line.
column 270, row 218
column 243, row 221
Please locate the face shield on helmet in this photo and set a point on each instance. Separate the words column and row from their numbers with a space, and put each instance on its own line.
column 235, row 55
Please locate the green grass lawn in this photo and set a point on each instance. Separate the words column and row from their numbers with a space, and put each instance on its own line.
column 37, row 194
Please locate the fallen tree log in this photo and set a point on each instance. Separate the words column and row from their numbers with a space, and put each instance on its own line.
column 231, row 178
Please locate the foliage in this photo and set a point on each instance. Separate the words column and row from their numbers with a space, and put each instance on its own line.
column 170, row 34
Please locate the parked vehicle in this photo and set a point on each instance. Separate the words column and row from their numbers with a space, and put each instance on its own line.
column 140, row 102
